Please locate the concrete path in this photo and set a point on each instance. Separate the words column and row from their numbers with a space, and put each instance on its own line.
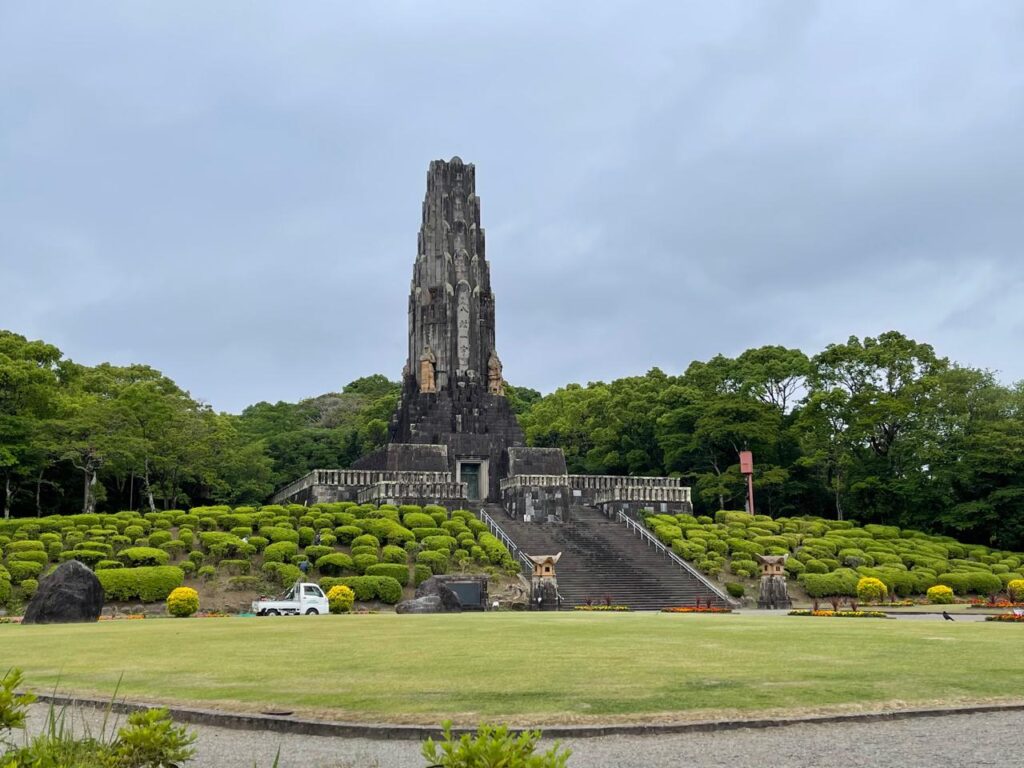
column 953, row 741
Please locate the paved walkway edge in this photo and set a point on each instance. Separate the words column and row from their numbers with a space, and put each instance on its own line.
column 385, row 731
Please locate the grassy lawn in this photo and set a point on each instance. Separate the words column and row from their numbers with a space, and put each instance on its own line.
column 526, row 668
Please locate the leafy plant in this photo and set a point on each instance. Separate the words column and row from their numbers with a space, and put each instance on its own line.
column 151, row 740
column 492, row 747
column 12, row 705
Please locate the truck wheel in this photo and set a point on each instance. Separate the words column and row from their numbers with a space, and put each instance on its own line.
column 312, row 612
column 273, row 612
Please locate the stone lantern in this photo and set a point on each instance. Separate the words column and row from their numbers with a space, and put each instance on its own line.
column 544, row 584
column 774, row 593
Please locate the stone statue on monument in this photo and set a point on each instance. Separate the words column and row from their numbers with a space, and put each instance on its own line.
column 428, row 360
column 495, row 382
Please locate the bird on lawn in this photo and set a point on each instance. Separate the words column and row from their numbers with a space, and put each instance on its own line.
column 947, row 617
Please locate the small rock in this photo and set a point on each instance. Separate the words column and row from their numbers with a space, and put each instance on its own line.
column 426, row 604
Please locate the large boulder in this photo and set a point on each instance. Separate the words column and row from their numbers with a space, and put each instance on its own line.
column 71, row 593
column 435, row 586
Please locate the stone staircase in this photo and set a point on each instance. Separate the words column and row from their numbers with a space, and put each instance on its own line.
column 602, row 557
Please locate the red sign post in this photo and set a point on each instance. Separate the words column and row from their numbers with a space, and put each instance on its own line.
column 747, row 468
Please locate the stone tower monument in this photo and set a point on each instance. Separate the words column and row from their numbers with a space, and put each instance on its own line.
column 453, row 394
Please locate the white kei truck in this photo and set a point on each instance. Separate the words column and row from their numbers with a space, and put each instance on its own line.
column 302, row 599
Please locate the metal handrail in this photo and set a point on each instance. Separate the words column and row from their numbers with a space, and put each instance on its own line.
column 524, row 562
column 651, row 540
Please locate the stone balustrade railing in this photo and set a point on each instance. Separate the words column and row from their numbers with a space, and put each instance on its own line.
column 390, row 489
column 528, row 481
column 603, row 482
column 358, row 478
column 642, row 493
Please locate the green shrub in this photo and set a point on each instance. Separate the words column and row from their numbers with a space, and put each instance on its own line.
column 829, row 585
column 983, row 583
column 392, row 554
column 24, row 569
column 287, row 574
column 492, row 746
column 1015, row 589
column 207, row 573
column 399, row 573
column 421, row 573
column 103, row 565
column 314, row 552
column 746, row 568
column 347, row 533
column 279, row 534
column 280, row 552
column 159, row 537
column 440, row 543
column 960, row 583
column 422, row 533
column 335, row 564
column 148, row 584
column 173, row 548
column 383, row 588
column 31, row 556
column 735, row 589
column 25, row 546
column 28, row 588
column 415, row 520
column 364, row 561
column 436, row 561
column 367, row 541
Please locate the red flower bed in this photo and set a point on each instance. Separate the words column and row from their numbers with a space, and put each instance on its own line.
column 1009, row 617
column 696, row 609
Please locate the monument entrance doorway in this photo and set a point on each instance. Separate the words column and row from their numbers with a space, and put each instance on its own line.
column 473, row 472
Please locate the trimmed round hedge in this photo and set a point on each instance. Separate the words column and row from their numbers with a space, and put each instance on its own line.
column 148, row 584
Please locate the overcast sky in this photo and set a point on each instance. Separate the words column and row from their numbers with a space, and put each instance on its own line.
column 230, row 192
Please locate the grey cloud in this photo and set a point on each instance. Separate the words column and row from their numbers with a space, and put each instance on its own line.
column 232, row 194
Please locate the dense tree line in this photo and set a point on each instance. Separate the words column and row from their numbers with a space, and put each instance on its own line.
column 77, row 438
column 880, row 429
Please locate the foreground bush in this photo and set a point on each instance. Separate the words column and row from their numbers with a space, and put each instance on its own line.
column 492, row 746
column 149, row 740
column 182, row 602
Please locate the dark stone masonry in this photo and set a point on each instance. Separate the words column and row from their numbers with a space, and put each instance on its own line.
column 453, row 439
